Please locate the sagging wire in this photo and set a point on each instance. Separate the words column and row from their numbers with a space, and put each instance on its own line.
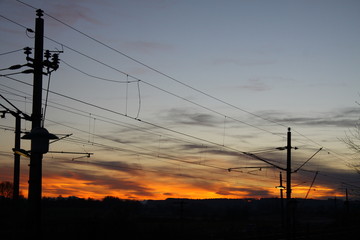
column 46, row 98
column 139, row 100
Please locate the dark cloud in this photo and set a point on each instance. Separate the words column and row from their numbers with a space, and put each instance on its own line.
column 344, row 117
column 327, row 175
column 187, row 117
column 313, row 121
column 133, row 168
column 111, row 182
column 241, row 191
column 132, row 187
column 193, row 146
column 116, row 139
column 223, row 152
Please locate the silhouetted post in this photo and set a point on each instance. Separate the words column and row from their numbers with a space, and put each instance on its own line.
column 347, row 202
column 17, row 157
column 35, row 175
column 289, row 207
column 282, row 199
column 288, row 166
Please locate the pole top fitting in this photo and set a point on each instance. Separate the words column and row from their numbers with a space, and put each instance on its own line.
column 289, row 129
column 39, row 13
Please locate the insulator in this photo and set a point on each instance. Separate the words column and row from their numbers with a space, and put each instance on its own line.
column 55, row 61
column 47, row 54
column 27, row 51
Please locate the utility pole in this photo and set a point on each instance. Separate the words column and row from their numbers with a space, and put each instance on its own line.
column 17, row 151
column 16, row 181
column 347, row 203
column 288, row 166
column 289, row 203
column 39, row 136
column 35, row 173
column 281, row 187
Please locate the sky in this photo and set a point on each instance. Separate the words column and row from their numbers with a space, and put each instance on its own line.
column 167, row 96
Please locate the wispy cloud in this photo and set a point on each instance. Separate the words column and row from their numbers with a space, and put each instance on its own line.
column 242, row 62
column 94, row 182
column 147, row 47
column 73, row 11
column 343, row 117
column 129, row 168
column 254, row 85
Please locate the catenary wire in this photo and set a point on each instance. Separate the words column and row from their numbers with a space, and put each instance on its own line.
column 14, row 51
column 243, row 153
column 300, row 134
column 150, row 68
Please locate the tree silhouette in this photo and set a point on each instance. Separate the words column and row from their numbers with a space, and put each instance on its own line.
column 352, row 140
column 6, row 189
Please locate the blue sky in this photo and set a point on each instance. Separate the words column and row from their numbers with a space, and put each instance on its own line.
column 273, row 64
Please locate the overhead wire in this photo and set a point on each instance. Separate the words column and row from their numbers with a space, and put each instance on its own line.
column 137, row 79
column 154, row 154
column 46, row 99
column 9, row 52
column 243, row 153
column 152, row 85
column 157, row 126
column 155, row 70
column 96, row 77
column 136, row 118
column 16, row 23
column 102, row 118
column 151, row 68
column 164, row 90
column 84, row 142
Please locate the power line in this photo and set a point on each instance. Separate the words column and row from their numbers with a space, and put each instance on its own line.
column 14, row 51
column 308, row 160
column 137, row 79
column 219, row 145
column 106, row 119
column 243, row 153
column 16, row 23
column 96, row 77
column 136, row 118
column 163, row 90
column 159, row 88
column 153, row 69
column 166, row 156
column 133, row 118
column 84, row 142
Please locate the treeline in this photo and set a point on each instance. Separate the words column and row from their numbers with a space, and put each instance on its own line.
column 111, row 217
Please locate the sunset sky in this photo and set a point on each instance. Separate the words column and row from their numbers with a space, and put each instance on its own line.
column 168, row 95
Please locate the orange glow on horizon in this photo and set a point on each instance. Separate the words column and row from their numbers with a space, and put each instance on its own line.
column 65, row 187
column 317, row 192
column 56, row 186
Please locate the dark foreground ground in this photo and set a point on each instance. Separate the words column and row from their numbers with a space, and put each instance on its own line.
column 111, row 218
